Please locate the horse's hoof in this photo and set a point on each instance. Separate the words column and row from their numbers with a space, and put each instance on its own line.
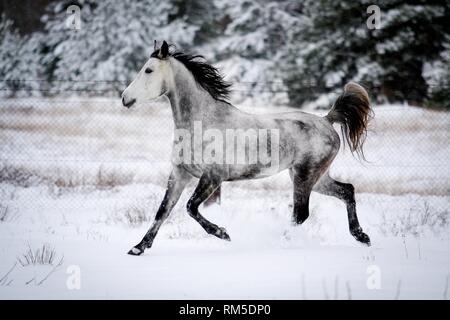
column 222, row 234
column 135, row 251
column 362, row 237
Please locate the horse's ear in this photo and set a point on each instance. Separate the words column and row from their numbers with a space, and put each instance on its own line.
column 164, row 51
column 154, row 45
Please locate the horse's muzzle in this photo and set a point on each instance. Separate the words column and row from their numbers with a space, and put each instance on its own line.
column 129, row 103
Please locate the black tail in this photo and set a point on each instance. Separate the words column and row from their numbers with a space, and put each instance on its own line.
column 352, row 110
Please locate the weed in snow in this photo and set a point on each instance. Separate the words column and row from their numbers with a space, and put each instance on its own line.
column 43, row 256
column 349, row 290
column 7, row 215
column 417, row 220
column 37, row 266
column 18, row 176
column 404, row 244
column 336, row 288
column 133, row 215
column 4, row 280
column 4, row 212
column 59, row 180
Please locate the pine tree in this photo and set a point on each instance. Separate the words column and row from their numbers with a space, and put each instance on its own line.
column 437, row 75
column 254, row 40
column 9, row 47
column 115, row 40
column 19, row 60
column 274, row 51
column 200, row 14
column 338, row 47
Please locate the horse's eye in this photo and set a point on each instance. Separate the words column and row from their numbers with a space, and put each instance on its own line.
column 148, row 70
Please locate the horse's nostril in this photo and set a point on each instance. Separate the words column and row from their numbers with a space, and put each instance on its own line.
column 128, row 104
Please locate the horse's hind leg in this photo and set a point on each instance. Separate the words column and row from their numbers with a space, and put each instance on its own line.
column 206, row 186
column 304, row 179
column 345, row 192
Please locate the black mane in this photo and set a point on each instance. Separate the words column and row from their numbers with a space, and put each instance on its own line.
column 205, row 74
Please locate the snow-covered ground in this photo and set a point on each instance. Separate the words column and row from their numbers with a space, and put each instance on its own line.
column 86, row 178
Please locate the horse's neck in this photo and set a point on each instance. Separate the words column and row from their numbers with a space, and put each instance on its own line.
column 188, row 101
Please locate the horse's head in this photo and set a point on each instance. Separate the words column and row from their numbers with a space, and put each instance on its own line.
column 150, row 83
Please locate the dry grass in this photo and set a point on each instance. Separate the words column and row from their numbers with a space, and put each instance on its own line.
column 132, row 216
column 67, row 134
column 136, row 216
column 416, row 221
column 4, row 213
column 101, row 178
column 18, row 176
column 426, row 120
column 111, row 179
column 4, row 279
column 44, row 255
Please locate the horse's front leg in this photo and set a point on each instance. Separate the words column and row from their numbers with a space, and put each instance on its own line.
column 177, row 182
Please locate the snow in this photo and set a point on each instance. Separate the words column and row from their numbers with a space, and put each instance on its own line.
column 267, row 258
column 87, row 176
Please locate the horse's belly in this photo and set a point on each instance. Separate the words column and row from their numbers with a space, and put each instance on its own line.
column 253, row 173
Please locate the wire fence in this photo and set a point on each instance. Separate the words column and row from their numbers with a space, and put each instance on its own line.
column 94, row 142
column 112, row 88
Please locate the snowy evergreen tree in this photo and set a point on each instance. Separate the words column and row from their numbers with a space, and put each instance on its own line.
column 389, row 60
column 255, row 37
column 274, row 51
column 9, row 48
column 203, row 15
column 19, row 60
column 437, row 75
column 114, row 40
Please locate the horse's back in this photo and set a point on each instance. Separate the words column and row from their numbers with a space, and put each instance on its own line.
column 315, row 135
column 308, row 133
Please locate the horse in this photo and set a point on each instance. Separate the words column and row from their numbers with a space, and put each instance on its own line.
column 305, row 144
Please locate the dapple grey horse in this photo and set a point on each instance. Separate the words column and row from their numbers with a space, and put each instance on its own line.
column 305, row 144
